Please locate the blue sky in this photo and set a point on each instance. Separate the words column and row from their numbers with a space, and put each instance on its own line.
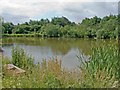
column 18, row 11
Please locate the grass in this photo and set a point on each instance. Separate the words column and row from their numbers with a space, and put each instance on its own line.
column 21, row 59
column 23, row 35
column 100, row 72
column 47, row 74
column 0, row 70
column 18, row 35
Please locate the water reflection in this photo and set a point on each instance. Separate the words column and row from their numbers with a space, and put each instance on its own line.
column 64, row 49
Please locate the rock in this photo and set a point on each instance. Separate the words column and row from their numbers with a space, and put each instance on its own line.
column 14, row 70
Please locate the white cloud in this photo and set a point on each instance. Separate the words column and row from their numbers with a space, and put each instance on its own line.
column 27, row 8
column 33, row 8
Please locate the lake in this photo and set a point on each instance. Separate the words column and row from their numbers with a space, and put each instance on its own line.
column 66, row 49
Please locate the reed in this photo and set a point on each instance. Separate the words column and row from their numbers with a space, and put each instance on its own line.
column 100, row 72
column 21, row 59
column 102, row 69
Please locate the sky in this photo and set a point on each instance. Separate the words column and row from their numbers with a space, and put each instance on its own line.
column 19, row 11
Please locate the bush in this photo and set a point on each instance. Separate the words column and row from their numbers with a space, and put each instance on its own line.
column 21, row 59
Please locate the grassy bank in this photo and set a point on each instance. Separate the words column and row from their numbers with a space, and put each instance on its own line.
column 43, row 36
column 100, row 72
column 18, row 35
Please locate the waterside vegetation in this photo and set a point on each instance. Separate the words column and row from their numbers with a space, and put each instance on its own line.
column 100, row 72
column 96, row 27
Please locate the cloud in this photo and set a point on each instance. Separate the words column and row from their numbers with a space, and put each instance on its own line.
column 78, row 11
column 23, row 10
column 15, row 18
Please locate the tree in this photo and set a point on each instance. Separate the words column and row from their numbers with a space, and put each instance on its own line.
column 50, row 30
column 105, row 27
column 8, row 27
column 61, row 21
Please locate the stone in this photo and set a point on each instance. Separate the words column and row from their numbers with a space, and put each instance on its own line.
column 14, row 70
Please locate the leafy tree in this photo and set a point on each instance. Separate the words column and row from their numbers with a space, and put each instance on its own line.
column 60, row 21
column 8, row 27
column 106, row 27
column 51, row 30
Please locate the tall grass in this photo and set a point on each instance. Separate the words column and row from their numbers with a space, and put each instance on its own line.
column 21, row 59
column 43, row 75
column 100, row 72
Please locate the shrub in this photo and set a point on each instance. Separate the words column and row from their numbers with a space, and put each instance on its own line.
column 21, row 59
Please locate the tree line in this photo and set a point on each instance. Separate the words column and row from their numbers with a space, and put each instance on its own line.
column 95, row 27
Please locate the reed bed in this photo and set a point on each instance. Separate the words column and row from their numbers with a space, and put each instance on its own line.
column 100, row 72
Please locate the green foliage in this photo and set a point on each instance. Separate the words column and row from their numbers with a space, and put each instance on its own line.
column 19, row 35
column 102, row 70
column 51, row 81
column 50, row 30
column 95, row 27
column 7, row 27
column 21, row 59
column 61, row 21
column 6, row 60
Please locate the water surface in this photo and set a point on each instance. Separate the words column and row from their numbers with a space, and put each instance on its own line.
column 45, row 48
